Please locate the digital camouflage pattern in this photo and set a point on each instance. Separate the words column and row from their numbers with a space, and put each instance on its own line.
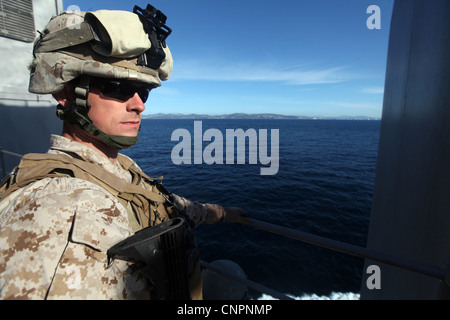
column 66, row 50
column 54, row 234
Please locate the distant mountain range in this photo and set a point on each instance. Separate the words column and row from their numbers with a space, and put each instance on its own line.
column 247, row 116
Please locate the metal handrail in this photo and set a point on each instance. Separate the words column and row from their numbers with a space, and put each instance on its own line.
column 432, row 271
column 2, row 151
column 11, row 153
column 354, row 250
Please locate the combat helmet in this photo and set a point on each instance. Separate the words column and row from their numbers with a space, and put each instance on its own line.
column 77, row 46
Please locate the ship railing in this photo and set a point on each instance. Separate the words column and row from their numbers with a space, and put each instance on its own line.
column 2, row 160
column 442, row 274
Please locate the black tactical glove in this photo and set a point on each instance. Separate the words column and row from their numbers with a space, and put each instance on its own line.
column 209, row 213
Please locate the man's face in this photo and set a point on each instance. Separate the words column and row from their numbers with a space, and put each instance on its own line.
column 121, row 117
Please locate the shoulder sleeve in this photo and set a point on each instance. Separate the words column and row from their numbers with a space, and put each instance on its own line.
column 51, row 233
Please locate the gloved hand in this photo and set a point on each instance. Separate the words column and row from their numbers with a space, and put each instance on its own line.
column 217, row 213
column 209, row 213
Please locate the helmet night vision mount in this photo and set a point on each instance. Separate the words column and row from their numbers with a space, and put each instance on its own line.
column 154, row 22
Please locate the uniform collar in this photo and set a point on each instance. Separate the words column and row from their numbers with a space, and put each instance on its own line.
column 60, row 144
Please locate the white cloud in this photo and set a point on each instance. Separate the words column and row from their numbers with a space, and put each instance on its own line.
column 359, row 105
column 373, row 90
column 165, row 90
column 296, row 75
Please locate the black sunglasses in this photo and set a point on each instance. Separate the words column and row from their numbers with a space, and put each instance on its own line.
column 121, row 89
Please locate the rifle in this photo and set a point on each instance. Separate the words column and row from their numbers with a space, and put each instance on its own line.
column 166, row 253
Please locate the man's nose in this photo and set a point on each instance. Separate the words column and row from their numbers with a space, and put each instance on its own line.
column 135, row 104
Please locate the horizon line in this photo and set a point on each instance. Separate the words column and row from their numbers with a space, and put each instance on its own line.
column 242, row 115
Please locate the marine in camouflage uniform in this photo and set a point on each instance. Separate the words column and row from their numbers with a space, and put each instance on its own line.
column 58, row 217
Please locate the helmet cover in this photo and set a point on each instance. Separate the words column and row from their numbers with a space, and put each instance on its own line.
column 95, row 44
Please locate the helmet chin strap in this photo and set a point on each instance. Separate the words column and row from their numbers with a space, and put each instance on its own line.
column 78, row 113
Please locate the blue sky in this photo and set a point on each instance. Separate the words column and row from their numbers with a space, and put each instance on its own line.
column 293, row 57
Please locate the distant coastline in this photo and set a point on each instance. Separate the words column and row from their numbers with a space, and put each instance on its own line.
column 249, row 116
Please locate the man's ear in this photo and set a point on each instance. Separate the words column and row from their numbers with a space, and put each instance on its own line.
column 66, row 96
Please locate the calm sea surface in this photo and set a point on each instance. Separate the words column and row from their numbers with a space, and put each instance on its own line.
column 324, row 186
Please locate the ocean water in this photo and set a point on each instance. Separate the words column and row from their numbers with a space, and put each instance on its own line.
column 324, row 186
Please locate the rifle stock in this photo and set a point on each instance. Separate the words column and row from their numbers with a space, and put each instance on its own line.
column 166, row 253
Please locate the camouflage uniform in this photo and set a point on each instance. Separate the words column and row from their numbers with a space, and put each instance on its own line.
column 55, row 232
